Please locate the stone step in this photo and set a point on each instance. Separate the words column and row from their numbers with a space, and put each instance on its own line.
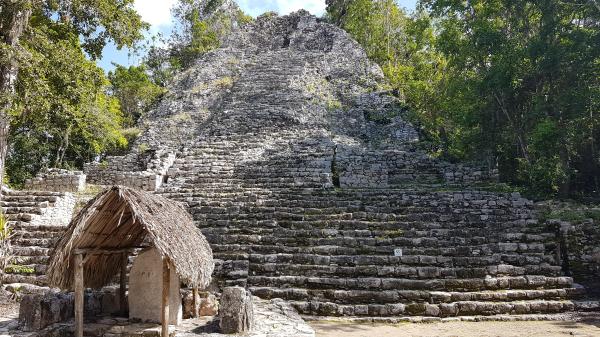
column 29, row 260
column 22, row 217
column 40, row 241
column 30, row 251
column 456, row 252
column 494, row 264
column 461, row 308
column 18, row 210
column 38, row 269
column 26, row 198
column 400, row 231
column 30, row 228
column 40, row 280
column 30, row 194
column 40, row 204
column 376, row 283
column 412, row 235
column 461, row 245
column 412, row 296
column 282, row 269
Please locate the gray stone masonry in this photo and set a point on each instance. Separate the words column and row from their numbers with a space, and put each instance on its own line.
column 45, row 308
column 57, row 180
column 580, row 251
column 143, row 171
column 36, row 220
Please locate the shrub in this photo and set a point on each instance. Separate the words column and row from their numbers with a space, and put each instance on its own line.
column 5, row 244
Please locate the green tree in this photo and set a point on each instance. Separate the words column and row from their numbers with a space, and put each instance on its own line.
column 201, row 26
column 62, row 115
column 95, row 22
column 533, row 67
column 512, row 83
column 135, row 91
column 403, row 46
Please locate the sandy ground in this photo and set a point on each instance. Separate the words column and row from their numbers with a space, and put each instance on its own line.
column 586, row 327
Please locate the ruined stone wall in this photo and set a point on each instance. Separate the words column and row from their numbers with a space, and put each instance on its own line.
column 361, row 167
column 308, row 183
column 144, row 171
column 57, row 180
column 581, row 251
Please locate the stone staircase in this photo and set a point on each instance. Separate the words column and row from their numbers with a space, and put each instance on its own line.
column 246, row 162
column 333, row 252
column 36, row 219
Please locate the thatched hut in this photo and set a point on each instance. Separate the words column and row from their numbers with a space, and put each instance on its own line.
column 98, row 241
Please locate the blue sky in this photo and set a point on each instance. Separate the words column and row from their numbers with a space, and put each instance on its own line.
column 157, row 13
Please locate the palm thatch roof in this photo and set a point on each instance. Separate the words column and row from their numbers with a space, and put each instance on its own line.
column 120, row 218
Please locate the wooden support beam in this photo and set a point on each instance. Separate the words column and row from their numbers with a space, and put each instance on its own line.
column 196, row 302
column 123, row 283
column 78, row 295
column 165, row 298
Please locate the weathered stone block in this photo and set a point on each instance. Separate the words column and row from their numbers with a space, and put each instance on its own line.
column 145, row 289
column 236, row 312
column 37, row 311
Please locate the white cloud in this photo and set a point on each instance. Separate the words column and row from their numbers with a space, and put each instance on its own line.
column 155, row 12
column 316, row 7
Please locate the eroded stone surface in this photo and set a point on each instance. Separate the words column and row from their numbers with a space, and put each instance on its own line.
column 236, row 312
column 146, row 286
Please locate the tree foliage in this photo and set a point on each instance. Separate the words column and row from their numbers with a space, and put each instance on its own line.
column 512, row 83
column 201, row 26
column 62, row 115
column 135, row 91
column 55, row 99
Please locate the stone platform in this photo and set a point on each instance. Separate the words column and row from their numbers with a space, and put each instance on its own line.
column 274, row 318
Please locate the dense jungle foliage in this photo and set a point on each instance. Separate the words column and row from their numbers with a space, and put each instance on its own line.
column 61, row 109
column 515, row 84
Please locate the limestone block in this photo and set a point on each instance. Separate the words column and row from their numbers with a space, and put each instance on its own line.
column 145, row 289
column 236, row 313
column 37, row 311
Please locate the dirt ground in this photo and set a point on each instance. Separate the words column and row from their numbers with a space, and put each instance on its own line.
column 8, row 307
column 584, row 327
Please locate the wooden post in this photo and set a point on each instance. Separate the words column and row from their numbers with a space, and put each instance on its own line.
column 165, row 298
column 196, row 303
column 123, row 284
column 78, row 295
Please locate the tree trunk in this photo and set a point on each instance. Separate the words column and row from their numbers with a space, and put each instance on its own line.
column 15, row 18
